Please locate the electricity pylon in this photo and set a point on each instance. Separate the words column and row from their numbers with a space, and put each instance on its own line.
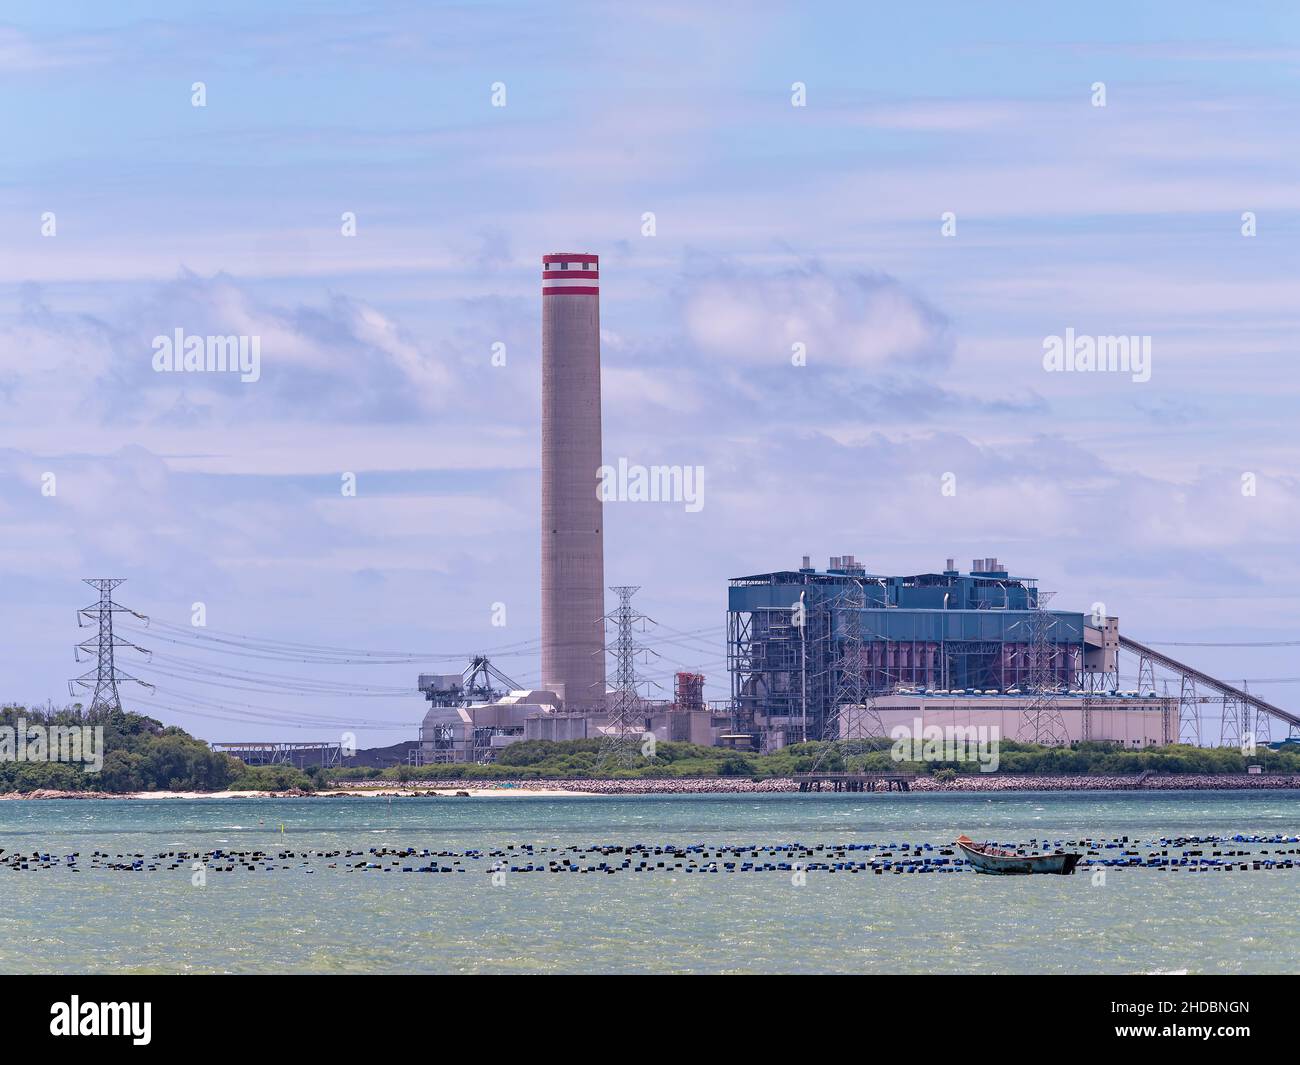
column 103, row 680
column 1041, row 720
column 621, row 741
column 852, row 715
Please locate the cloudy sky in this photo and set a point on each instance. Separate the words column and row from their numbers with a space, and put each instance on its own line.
column 126, row 213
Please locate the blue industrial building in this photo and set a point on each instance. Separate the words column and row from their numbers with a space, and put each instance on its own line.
column 980, row 631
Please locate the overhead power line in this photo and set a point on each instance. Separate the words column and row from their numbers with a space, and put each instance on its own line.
column 252, row 646
column 1273, row 643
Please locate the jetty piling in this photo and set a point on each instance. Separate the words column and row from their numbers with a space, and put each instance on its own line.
column 855, row 781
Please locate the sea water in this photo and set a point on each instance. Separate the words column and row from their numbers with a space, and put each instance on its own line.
column 346, row 920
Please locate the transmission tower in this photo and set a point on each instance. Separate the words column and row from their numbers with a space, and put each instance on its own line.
column 852, row 715
column 1041, row 720
column 103, row 680
column 621, row 742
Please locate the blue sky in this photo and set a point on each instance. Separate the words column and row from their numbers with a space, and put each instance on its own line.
column 775, row 224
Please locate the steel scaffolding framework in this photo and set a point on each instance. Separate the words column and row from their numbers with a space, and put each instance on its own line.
column 328, row 753
column 1189, row 712
column 1244, row 716
column 779, row 660
column 1263, row 732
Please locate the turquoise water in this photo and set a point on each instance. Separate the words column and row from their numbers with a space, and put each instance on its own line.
column 341, row 920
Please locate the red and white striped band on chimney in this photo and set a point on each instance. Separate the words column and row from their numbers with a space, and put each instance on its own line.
column 570, row 274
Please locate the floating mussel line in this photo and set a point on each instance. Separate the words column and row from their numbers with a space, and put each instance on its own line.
column 1193, row 854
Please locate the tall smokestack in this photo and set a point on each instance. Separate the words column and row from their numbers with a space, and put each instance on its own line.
column 573, row 557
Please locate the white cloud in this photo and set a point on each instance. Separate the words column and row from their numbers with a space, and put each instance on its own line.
column 344, row 360
column 849, row 321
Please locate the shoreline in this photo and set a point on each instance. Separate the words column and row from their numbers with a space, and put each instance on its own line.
column 701, row 786
column 422, row 789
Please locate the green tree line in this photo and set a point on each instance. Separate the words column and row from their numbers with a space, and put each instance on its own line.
column 140, row 754
column 582, row 759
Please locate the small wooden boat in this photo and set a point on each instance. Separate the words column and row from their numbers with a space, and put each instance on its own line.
column 987, row 859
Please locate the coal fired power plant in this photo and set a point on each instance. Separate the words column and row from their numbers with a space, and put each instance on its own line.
column 573, row 563
column 833, row 654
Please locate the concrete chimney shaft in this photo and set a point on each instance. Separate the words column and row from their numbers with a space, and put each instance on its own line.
column 573, row 560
